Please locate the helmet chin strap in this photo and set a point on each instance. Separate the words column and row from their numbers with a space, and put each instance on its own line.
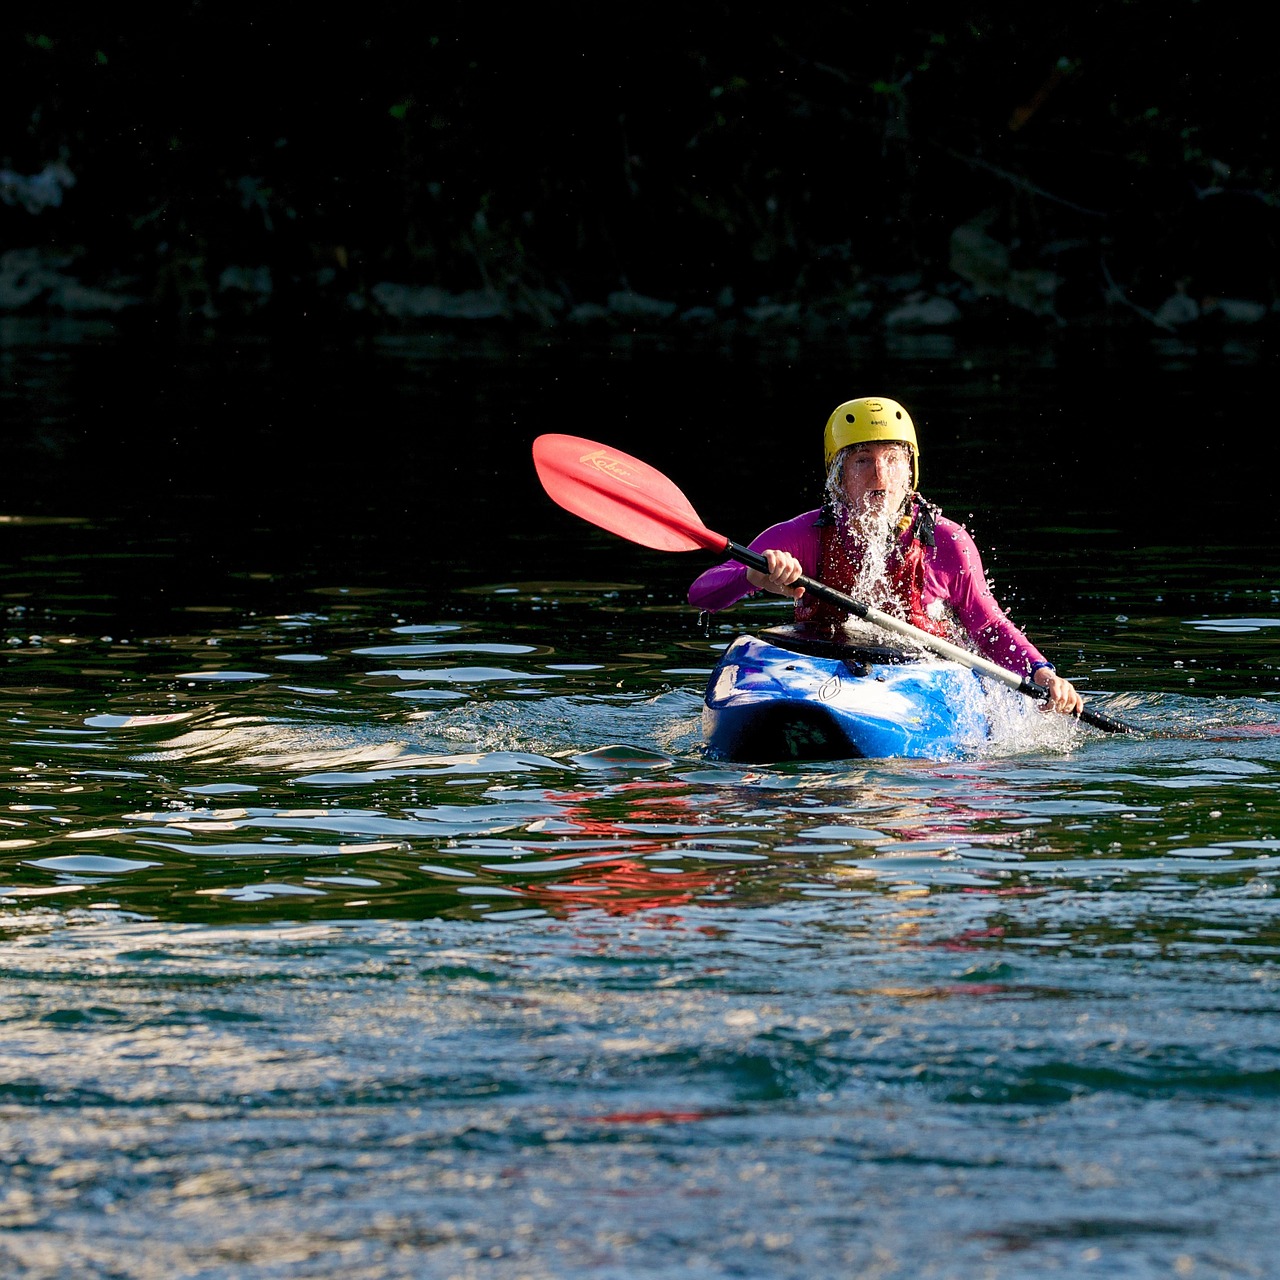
column 905, row 512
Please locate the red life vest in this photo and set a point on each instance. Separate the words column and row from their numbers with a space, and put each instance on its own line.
column 901, row 590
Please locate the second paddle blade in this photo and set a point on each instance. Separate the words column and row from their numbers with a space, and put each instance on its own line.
column 620, row 493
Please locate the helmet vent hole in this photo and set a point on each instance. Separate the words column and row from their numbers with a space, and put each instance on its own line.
column 848, row 417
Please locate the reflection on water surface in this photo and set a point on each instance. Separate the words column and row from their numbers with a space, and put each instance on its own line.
column 368, row 908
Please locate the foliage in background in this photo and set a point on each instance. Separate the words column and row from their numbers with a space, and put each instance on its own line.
column 565, row 151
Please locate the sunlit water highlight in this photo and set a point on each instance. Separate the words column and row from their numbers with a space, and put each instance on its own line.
column 462, row 960
column 376, row 932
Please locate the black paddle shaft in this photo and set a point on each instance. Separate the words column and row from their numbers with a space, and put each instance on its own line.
column 754, row 560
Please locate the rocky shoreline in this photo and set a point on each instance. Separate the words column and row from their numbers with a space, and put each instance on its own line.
column 733, row 170
column 980, row 284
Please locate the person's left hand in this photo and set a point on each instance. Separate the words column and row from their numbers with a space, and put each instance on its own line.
column 1062, row 693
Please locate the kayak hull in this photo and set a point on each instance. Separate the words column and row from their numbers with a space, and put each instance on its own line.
column 766, row 702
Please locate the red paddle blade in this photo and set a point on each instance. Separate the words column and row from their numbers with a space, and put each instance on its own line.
column 621, row 494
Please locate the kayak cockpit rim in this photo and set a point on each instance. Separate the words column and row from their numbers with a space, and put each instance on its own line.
column 816, row 641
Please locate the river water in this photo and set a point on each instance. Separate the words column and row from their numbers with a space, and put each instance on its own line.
column 367, row 907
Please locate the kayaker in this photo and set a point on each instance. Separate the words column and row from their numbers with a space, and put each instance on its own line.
column 877, row 539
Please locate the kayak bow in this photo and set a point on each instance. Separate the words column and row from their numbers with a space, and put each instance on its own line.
column 786, row 695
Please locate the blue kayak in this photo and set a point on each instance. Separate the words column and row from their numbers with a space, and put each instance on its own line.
column 796, row 694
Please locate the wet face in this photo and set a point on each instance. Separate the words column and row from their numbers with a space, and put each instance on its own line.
column 876, row 476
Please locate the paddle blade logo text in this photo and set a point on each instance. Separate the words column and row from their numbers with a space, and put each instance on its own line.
column 611, row 466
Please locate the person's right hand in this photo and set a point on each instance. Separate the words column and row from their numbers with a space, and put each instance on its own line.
column 784, row 569
column 1062, row 693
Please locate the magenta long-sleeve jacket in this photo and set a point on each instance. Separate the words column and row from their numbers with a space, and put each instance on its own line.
column 953, row 580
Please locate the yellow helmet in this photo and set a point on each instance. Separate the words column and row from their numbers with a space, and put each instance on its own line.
column 867, row 420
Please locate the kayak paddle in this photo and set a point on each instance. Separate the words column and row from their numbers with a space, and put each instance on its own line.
column 628, row 497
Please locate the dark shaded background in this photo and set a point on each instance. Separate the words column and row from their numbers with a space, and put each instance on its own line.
column 557, row 152
column 712, row 155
